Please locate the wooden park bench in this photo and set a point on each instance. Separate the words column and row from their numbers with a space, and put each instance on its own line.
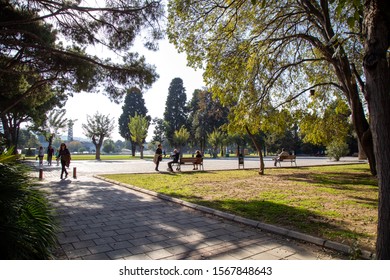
column 191, row 160
column 289, row 158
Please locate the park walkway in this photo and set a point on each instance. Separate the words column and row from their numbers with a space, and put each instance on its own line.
column 101, row 220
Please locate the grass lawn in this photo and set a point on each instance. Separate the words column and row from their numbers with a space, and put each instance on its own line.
column 338, row 203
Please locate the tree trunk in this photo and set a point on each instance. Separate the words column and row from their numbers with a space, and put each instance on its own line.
column 359, row 120
column 361, row 153
column 98, row 146
column 258, row 148
column 133, row 148
column 11, row 132
column 377, row 71
column 343, row 70
column 97, row 154
column 142, row 151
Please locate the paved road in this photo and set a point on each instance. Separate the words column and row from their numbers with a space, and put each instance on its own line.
column 102, row 220
column 92, row 167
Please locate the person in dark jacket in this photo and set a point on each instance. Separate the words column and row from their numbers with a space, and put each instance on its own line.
column 175, row 159
column 64, row 155
column 157, row 156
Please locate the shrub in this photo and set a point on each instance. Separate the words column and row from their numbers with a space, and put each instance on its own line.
column 27, row 225
column 337, row 149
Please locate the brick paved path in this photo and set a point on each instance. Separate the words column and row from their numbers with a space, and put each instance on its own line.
column 100, row 220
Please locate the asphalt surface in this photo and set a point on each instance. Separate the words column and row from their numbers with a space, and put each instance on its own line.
column 102, row 220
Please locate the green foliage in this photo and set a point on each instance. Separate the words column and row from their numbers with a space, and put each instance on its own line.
column 34, row 41
column 74, row 146
column 108, row 146
column 216, row 139
column 138, row 127
column 262, row 58
column 322, row 126
column 97, row 128
column 175, row 114
column 53, row 124
column 134, row 104
column 159, row 131
column 27, row 224
column 27, row 139
column 98, row 125
column 18, row 107
column 180, row 137
column 206, row 114
column 337, row 149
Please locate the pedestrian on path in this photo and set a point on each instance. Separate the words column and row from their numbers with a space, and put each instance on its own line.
column 157, row 156
column 50, row 152
column 64, row 155
column 41, row 154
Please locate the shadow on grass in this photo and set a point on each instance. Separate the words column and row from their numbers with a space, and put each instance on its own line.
column 337, row 180
column 293, row 218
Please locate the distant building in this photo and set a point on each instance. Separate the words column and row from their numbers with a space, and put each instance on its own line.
column 70, row 130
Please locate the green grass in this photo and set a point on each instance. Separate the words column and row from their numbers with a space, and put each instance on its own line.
column 334, row 202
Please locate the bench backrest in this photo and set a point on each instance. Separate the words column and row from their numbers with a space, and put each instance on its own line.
column 288, row 157
column 192, row 160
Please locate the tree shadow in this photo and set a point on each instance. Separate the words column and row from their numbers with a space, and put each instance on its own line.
column 100, row 220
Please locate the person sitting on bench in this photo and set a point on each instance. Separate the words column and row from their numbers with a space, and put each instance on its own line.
column 175, row 159
column 280, row 156
column 199, row 156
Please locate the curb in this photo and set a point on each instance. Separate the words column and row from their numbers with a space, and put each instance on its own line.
column 324, row 243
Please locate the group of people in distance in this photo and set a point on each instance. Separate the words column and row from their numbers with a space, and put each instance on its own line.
column 175, row 156
column 62, row 155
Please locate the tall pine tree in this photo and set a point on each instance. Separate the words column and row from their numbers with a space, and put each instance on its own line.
column 134, row 104
column 175, row 115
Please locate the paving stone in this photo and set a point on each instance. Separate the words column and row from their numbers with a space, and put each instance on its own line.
column 136, row 250
column 74, row 254
column 121, row 244
column 100, row 249
column 140, row 241
column 105, row 240
column 83, row 244
column 138, row 257
column 106, row 233
column 97, row 257
column 118, row 254
column 65, row 240
column 159, row 254
column 88, row 236
column 263, row 256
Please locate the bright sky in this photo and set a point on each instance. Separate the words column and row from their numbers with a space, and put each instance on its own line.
column 169, row 65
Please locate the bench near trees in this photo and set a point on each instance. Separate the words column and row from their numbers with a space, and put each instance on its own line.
column 191, row 160
column 289, row 158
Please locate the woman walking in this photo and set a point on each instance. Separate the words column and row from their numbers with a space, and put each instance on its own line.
column 64, row 154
